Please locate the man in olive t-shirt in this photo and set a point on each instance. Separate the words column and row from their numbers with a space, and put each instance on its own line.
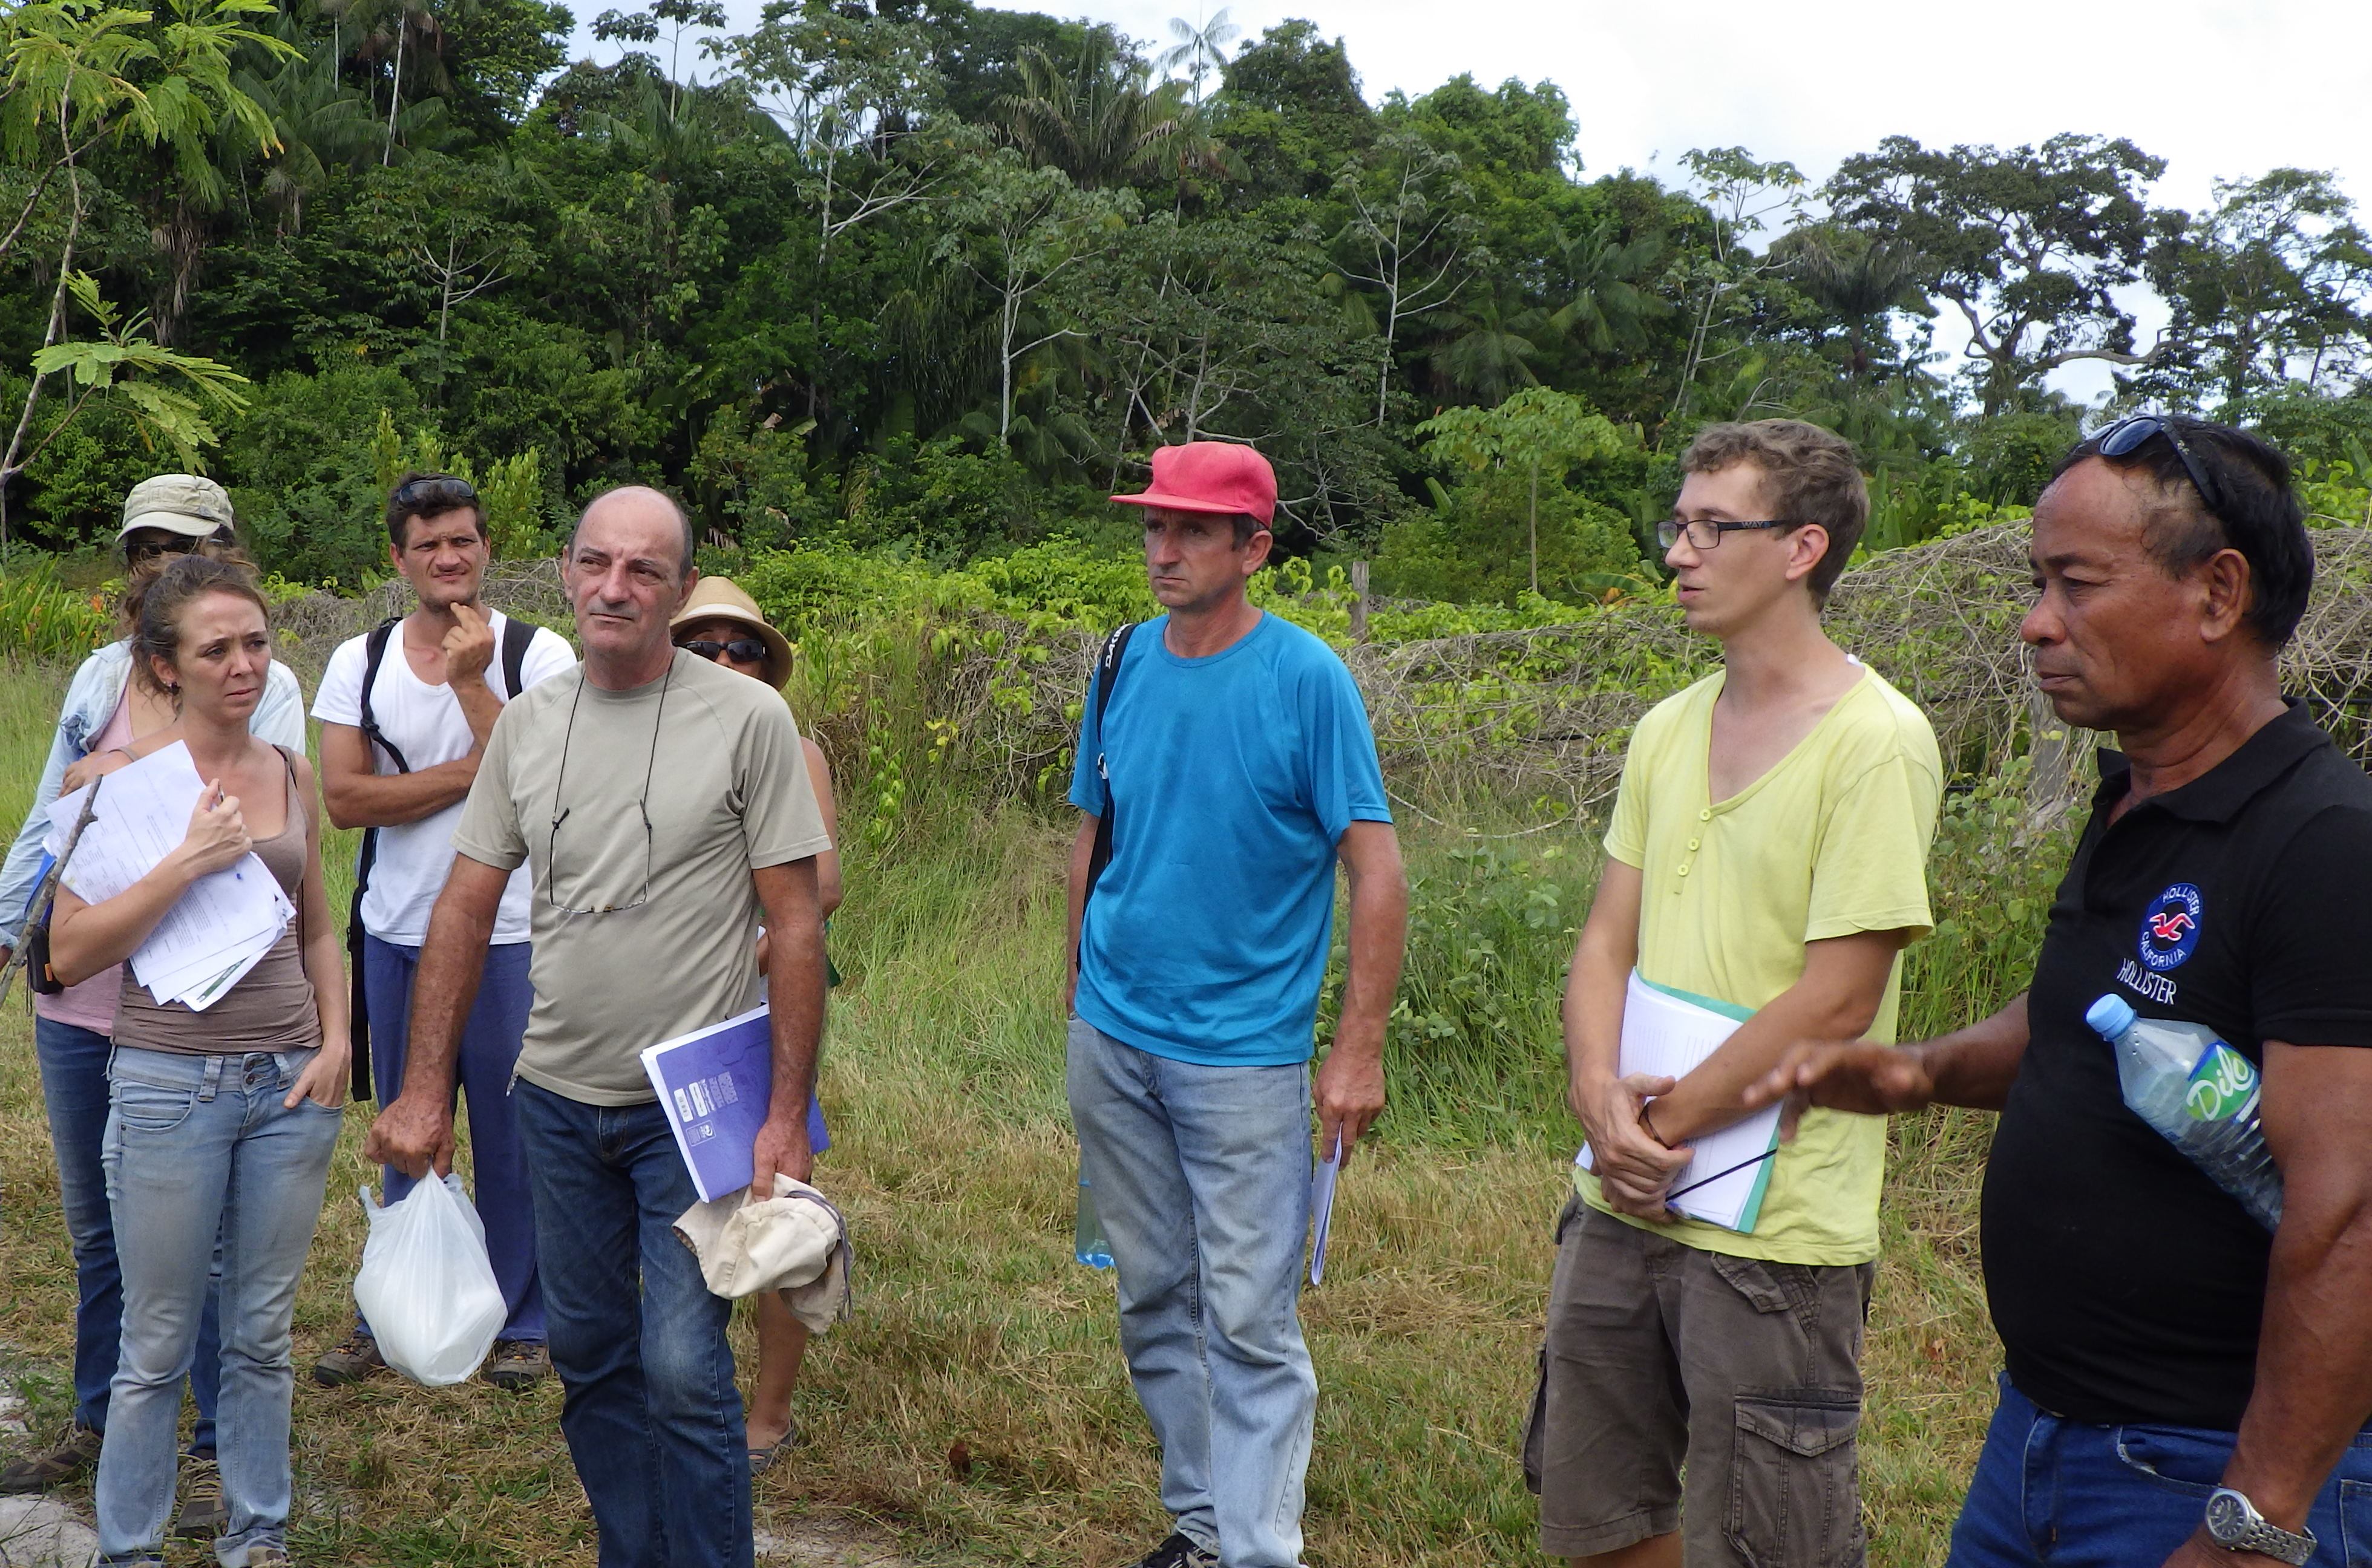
column 664, row 809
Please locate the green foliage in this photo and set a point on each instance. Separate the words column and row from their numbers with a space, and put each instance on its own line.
column 1475, row 547
column 45, row 622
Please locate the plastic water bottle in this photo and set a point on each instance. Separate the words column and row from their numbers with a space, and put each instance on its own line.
column 2200, row 1094
column 1088, row 1241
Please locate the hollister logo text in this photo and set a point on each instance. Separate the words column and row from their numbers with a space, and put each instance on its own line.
column 2158, row 988
column 2170, row 927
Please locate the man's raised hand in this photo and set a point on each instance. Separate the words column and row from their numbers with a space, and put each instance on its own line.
column 1870, row 1080
column 469, row 646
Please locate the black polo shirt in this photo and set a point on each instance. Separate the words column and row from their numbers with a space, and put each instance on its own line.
column 2125, row 1286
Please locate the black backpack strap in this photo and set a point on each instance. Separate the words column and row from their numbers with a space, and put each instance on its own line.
column 357, row 1014
column 1107, row 676
column 517, row 637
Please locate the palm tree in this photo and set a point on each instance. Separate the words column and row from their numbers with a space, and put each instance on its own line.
column 1855, row 278
column 1611, row 304
column 321, row 122
column 1199, row 49
column 1106, row 123
column 1493, row 352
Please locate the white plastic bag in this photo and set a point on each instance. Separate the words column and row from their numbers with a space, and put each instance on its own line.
column 425, row 1286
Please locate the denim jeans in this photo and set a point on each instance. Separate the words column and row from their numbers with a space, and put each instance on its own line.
column 74, row 1092
column 198, row 1145
column 2057, row 1492
column 648, row 1405
column 1202, row 1181
column 490, row 1048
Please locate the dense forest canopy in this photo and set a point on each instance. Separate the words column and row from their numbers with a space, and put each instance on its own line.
column 918, row 275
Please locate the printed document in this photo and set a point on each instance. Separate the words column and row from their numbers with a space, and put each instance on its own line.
column 1322, row 1208
column 1669, row 1033
column 220, row 928
column 713, row 1085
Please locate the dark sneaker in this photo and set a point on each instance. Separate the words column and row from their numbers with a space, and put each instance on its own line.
column 1177, row 1551
column 351, row 1362
column 39, row 1472
column 204, row 1515
column 518, row 1363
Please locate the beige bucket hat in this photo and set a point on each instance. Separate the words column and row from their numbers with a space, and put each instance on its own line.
column 186, row 503
column 721, row 599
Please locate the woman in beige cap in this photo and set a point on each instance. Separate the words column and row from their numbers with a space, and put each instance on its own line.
column 165, row 519
column 721, row 622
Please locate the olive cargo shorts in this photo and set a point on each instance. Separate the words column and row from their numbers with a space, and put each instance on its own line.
column 1663, row 1360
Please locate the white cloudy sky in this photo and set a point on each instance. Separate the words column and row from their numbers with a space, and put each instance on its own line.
column 2217, row 89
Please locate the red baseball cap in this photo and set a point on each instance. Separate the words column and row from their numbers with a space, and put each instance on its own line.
column 1210, row 476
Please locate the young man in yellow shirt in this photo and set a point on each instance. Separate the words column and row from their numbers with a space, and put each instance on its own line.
column 1766, row 857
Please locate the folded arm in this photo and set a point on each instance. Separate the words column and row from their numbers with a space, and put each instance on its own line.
column 357, row 797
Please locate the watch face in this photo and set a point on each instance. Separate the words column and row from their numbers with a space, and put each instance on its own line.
column 2227, row 1516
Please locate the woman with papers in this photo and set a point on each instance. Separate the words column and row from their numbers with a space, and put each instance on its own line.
column 201, row 867
column 722, row 623
column 105, row 710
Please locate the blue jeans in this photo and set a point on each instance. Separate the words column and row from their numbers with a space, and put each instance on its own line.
column 1202, row 1181
column 648, row 1405
column 74, row 1091
column 490, row 1048
column 2057, row 1492
column 197, row 1146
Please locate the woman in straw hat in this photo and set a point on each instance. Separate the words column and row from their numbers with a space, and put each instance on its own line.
column 721, row 622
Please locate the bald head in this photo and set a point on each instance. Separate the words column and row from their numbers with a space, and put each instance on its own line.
column 643, row 502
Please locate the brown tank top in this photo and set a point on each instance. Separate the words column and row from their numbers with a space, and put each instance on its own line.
column 271, row 1007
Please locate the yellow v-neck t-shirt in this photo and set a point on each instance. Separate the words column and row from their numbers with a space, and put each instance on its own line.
column 1831, row 840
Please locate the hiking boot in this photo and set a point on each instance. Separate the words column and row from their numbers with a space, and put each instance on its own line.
column 39, row 1472
column 354, row 1359
column 1177, row 1551
column 518, row 1363
column 204, row 1515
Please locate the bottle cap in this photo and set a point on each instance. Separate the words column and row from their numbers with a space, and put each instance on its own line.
column 2109, row 1017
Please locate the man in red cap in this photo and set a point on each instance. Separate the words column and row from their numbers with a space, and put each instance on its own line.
column 1225, row 765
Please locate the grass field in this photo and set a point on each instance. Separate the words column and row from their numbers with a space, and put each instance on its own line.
column 976, row 1411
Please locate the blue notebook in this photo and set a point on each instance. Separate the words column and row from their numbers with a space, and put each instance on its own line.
column 714, row 1083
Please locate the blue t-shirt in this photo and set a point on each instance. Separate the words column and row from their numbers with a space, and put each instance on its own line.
column 1234, row 776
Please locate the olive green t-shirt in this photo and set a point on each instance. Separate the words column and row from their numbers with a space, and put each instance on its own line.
column 1831, row 840
column 639, row 936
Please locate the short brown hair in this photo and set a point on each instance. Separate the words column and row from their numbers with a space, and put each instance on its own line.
column 184, row 581
column 438, row 494
column 1809, row 476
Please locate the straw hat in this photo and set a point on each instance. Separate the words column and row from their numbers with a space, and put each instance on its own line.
column 721, row 599
column 186, row 503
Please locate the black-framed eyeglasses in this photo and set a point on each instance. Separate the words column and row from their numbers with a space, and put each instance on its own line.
column 1704, row 532
column 434, row 493
column 560, row 813
column 742, row 650
column 2128, row 435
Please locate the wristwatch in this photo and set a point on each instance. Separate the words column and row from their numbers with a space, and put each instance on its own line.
column 2234, row 1524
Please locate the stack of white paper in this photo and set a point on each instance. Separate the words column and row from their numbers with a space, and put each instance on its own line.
column 1667, row 1035
column 220, row 928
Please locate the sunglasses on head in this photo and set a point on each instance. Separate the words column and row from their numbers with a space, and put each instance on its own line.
column 2128, row 435
column 743, row 650
column 434, row 493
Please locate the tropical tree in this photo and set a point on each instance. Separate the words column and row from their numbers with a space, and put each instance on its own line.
column 1104, row 122
column 1410, row 243
column 1858, row 280
column 1536, row 428
column 1199, row 47
column 317, row 123
column 2028, row 245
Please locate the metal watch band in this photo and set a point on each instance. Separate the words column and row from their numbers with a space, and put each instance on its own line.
column 2237, row 1525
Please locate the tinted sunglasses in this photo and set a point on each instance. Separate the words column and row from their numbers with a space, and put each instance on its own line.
column 434, row 493
column 744, row 650
column 163, row 542
column 2128, row 435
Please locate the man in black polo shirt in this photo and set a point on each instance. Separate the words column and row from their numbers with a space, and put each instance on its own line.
column 2183, row 1387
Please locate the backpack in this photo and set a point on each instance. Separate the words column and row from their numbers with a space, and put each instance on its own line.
column 517, row 636
column 1107, row 676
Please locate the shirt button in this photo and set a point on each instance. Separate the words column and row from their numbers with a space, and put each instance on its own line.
column 1684, row 870
column 1705, row 816
column 1692, row 843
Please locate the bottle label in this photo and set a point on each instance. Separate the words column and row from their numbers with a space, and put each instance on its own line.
column 2223, row 1086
